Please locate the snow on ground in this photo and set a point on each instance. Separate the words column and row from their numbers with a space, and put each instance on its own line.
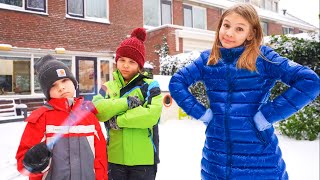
column 181, row 144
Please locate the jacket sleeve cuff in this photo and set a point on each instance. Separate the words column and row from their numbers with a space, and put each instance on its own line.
column 261, row 122
column 206, row 118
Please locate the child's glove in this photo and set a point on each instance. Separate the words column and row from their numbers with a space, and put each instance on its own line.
column 133, row 101
column 261, row 122
column 206, row 118
column 37, row 158
column 112, row 123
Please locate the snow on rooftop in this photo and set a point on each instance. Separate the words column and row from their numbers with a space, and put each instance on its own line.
column 147, row 65
column 305, row 36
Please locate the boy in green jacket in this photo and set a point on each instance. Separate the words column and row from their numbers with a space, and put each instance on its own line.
column 131, row 106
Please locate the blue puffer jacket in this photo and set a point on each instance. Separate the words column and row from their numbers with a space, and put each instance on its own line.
column 234, row 148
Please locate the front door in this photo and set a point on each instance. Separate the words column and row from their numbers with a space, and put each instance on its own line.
column 86, row 75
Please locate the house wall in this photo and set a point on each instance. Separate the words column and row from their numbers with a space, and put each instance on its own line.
column 296, row 30
column 177, row 12
column 30, row 30
column 213, row 16
column 154, row 40
column 274, row 28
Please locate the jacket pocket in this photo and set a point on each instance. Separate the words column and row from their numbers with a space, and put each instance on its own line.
column 261, row 135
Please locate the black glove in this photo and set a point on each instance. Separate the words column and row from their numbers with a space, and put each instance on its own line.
column 37, row 158
column 112, row 123
column 133, row 101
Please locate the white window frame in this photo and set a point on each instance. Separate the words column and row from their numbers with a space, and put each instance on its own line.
column 267, row 25
column 193, row 17
column 286, row 30
column 171, row 12
column 25, row 9
column 86, row 18
column 160, row 14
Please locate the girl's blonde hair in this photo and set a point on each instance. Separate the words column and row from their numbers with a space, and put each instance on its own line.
column 248, row 58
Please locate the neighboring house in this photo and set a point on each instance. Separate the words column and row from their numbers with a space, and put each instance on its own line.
column 84, row 34
column 191, row 24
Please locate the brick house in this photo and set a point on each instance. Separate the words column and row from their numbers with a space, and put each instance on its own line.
column 191, row 24
column 84, row 35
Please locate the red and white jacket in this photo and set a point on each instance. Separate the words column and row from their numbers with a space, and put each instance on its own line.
column 79, row 152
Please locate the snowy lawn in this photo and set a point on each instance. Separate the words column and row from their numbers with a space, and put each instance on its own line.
column 180, row 152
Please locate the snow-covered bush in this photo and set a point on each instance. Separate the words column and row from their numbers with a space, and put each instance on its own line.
column 306, row 123
column 171, row 64
column 163, row 49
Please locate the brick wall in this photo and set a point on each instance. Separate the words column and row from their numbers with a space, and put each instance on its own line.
column 177, row 12
column 213, row 17
column 296, row 30
column 274, row 29
column 155, row 38
column 55, row 30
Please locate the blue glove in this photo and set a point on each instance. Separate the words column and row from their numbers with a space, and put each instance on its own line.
column 112, row 123
column 261, row 122
column 206, row 118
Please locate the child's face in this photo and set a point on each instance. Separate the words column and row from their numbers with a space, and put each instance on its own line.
column 63, row 88
column 128, row 68
column 234, row 31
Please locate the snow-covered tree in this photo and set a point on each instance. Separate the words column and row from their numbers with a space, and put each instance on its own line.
column 170, row 64
column 163, row 49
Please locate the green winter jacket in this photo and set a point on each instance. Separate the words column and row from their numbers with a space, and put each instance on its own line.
column 136, row 142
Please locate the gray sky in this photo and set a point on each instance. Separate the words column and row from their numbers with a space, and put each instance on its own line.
column 307, row 10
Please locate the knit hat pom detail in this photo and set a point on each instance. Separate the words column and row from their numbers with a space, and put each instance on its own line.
column 139, row 33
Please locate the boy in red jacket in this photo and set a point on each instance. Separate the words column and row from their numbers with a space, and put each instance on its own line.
column 63, row 139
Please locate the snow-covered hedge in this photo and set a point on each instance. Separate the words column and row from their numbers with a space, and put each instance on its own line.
column 170, row 64
column 306, row 51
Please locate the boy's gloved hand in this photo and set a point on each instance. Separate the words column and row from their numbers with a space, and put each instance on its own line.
column 133, row 101
column 37, row 158
column 112, row 123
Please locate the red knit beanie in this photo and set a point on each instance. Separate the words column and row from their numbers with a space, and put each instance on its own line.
column 133, row 47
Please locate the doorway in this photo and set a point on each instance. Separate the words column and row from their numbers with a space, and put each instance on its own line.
column 86, row 75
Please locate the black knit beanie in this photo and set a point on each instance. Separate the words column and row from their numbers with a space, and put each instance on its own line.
column 49, row 70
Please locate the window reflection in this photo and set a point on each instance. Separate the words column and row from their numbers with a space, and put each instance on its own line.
column 104, row 71
column 86, row 77
column 14, row 76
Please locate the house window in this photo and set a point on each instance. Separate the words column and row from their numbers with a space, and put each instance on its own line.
column 30, row 5
column 268, row 5
column 104, row 71
column 287, row 30
column 264, row 26
column 165, row 12
column 96, row 9
column 194, row 17
column 187, row 16
column 157, row 12
column 14, row 76
column 275, row 7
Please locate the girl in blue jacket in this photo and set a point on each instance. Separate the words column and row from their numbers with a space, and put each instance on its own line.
column 238, row 74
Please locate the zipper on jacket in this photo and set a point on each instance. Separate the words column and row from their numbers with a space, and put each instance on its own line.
column 226, row 118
